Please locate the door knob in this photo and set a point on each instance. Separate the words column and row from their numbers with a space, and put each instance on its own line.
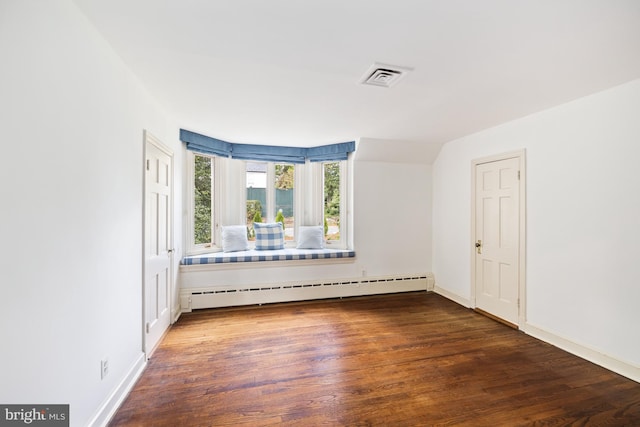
column 479, row 246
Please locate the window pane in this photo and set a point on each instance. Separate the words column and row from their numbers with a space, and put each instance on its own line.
column 284, row 187
column 256, row 173
column 332, row 200
column 203, row 177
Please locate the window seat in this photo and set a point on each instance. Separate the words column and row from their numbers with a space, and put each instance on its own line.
column 253, row 255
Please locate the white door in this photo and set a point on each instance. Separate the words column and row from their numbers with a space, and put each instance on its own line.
column 497, row 238
column 157, row 242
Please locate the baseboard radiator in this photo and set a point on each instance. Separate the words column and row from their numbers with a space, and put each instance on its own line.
column 228, row 296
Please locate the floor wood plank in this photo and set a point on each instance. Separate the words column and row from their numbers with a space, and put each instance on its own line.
column 392, row 360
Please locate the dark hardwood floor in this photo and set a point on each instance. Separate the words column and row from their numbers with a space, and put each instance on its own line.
column 413, row 359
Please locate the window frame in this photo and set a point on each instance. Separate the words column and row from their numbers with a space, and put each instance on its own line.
column 343, row 242
column 191, row 247
column 229, row 206
column 270, row 196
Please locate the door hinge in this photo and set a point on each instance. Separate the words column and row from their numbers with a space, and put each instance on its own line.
column 148, row 168
column 518, row 175
column 148, row 327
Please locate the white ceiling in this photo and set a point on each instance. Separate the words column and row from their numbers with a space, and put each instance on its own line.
column 286, row 72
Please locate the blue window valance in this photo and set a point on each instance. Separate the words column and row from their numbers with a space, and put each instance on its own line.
column 204, row 144
column 268, row 153
column 329, row 152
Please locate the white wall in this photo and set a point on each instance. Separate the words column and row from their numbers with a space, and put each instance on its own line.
column 72, row 119
column 392, row 217
column 583, row 218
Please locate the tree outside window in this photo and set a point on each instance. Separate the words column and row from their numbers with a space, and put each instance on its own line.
column 202, row 196
column 332, row 200
column 284, row 189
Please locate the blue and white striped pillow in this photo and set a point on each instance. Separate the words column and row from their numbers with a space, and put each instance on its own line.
column 269, row 236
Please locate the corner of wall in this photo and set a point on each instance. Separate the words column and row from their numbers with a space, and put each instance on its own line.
column 465, row 302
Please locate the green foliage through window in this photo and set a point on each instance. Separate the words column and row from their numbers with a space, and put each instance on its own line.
column 202, row 200
column 253, row 207
column 284, row 197
column 284, row 176
column 280, row 218
column 332, row 200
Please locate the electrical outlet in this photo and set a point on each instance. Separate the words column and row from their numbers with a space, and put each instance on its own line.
column 104, row 368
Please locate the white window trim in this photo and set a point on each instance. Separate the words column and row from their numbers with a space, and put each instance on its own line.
column 271, row 194
column 344, row 242
column 191, row 247
column 308, row 200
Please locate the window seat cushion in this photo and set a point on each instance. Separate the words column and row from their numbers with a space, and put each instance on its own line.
column 253, row 255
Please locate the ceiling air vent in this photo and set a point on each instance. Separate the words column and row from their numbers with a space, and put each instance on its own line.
column 384, row 75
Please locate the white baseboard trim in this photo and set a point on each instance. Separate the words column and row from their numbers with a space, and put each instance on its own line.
column 613, row 364
column 175, row 314
column 453, row 297
column 108, row 409
column 235, row 295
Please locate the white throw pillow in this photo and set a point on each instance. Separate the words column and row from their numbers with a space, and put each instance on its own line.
column 310, row 237
column 234, row 238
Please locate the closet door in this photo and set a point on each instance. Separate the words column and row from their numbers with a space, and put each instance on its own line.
column 497, row 238
column 158, row 245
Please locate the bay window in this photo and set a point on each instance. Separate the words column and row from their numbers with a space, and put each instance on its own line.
column 232, row 184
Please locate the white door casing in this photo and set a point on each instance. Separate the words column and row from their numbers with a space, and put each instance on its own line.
column 158, row 244
column 498, row 234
